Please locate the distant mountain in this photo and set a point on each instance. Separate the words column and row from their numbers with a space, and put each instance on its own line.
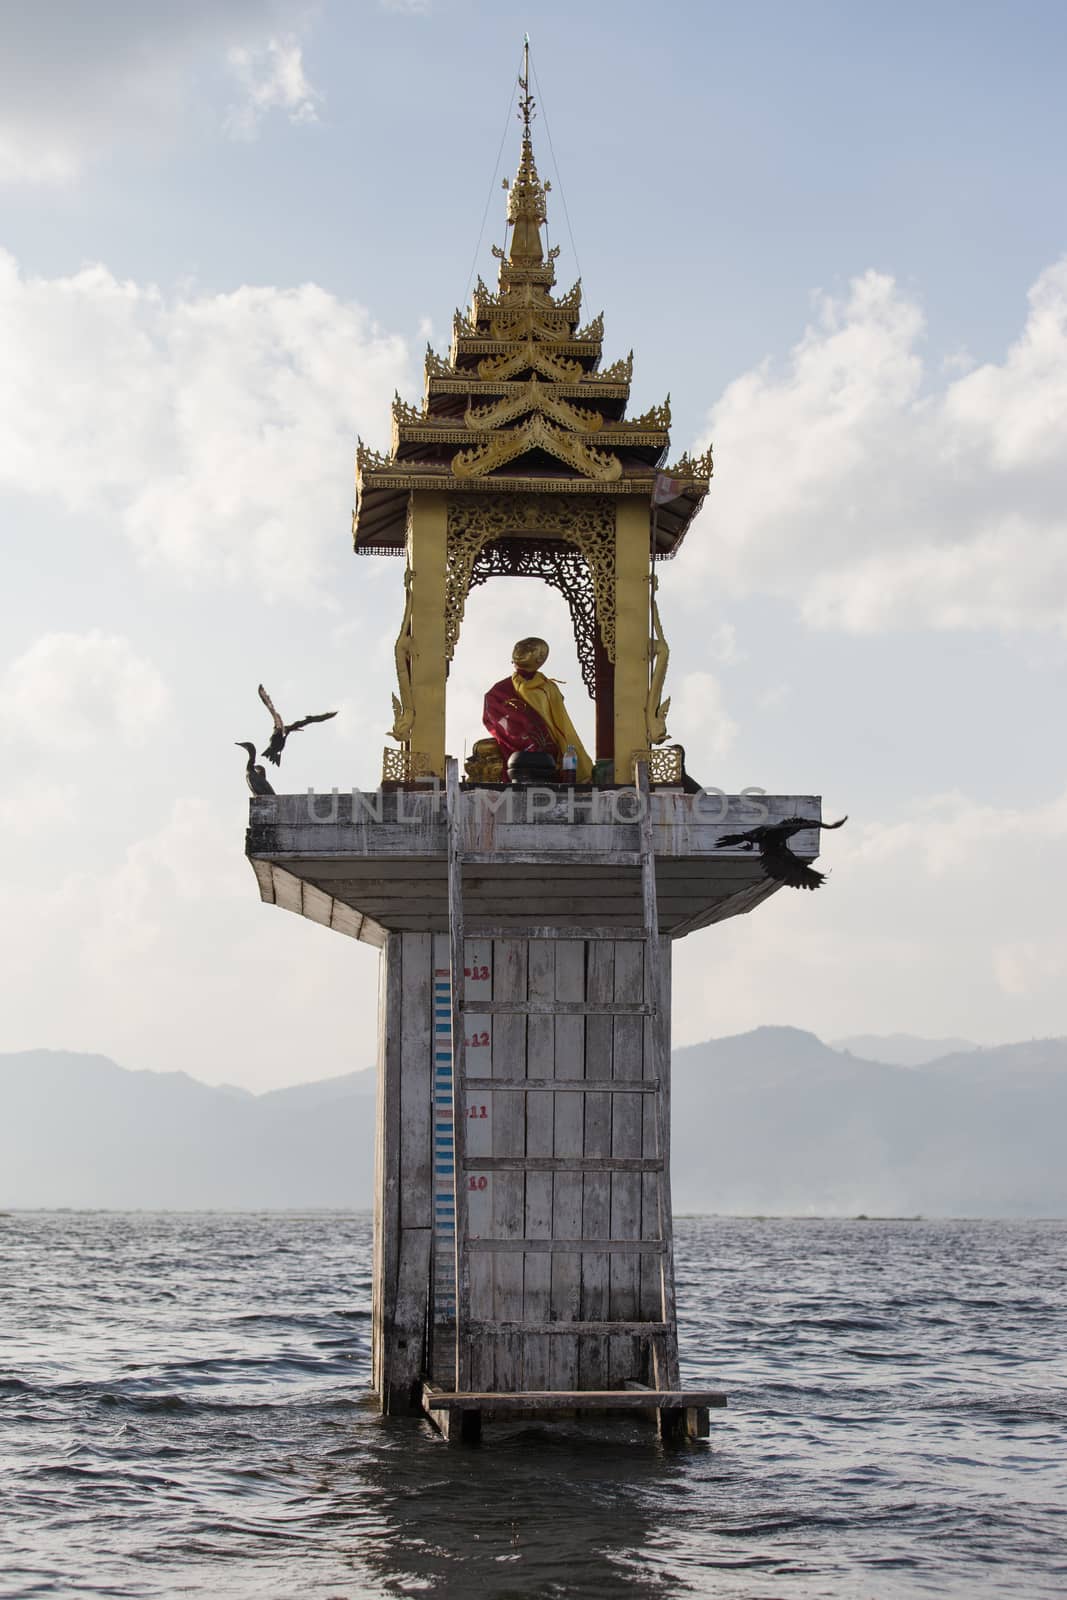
column 323, row 1092
column 901, row 1049
column 777, row 1121
column 772, row 1121
column 77, row 1130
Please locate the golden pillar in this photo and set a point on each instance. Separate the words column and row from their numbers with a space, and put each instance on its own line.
column 631, row 631
column 427, row 546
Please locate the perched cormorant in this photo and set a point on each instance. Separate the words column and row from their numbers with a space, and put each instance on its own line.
column 778, row 861
column 257, row 778
column 689, row 784
column 282, row 730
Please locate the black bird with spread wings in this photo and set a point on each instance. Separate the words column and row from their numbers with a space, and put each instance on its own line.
column 771, row 839
column 282, row 730
column 257, row 778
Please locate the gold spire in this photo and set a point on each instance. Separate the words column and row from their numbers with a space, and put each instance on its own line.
column 526, row 196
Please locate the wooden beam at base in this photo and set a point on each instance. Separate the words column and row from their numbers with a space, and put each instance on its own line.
column 436, row 1399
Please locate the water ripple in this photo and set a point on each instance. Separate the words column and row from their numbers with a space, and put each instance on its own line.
column 183, row 1410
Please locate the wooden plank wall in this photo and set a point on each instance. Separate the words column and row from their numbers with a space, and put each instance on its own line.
column 546, row 1287
column 403, row 1189
column 554, row 1286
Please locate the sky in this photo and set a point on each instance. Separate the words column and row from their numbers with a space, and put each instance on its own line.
column 836, row 234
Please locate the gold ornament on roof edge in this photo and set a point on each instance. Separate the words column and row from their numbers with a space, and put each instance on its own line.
column 536, row 432
column 538, row 396
column 654, row 417
column 533, row 357
column 619, row 371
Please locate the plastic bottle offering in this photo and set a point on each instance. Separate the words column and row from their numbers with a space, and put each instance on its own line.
column 570, row 765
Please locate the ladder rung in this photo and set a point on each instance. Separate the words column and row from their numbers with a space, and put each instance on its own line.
column 577, row 1164
column 615, row 1247
column 556, row 1008
column 649, row 1330
column 574, row 860
column 575, row 1085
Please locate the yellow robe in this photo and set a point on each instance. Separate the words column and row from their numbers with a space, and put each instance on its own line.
column 542, row 695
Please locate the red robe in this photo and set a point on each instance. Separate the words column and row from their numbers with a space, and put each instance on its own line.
column 515, row 725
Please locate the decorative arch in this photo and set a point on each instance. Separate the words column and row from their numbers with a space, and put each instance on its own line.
column 569, row 542
column 563, row 567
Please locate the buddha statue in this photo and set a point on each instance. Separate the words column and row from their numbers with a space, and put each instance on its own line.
column 526, row 711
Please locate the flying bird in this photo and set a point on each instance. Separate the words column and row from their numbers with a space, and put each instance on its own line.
column 257, row 778
column 771, row 839
column 282, row 730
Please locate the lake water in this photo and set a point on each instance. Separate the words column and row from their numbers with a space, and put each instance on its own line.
column 183, row 1412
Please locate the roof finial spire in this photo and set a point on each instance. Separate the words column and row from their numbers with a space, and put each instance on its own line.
column 526, row 101
column 526, row 197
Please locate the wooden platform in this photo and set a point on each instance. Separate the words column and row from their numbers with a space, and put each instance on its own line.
column 369, row 864
column 679, row 1413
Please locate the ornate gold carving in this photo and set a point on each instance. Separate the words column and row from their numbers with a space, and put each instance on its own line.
column 619, row 371
column 536, row 432
column 527, row 292
column 593, row 331
column 530, row 357
column 656, row 708
column 533, row 396
column 654, row 417
column 543, row 272
column 437, row 366
column 525, row 322
column 664, row 766
column 473, row 523
column 526, row 195
column 403, row 413
column 485, row 764
column 572, row 300
column 404, row 707
column 688, row 466
column 368, row 460
column 587, row 387
column 404, row 766
column 420, row 475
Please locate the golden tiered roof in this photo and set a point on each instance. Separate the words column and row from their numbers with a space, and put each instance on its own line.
column 523, row 404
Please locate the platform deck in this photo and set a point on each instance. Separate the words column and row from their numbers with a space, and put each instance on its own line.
column 369, row 864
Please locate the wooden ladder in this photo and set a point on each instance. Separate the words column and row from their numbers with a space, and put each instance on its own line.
column 661, row 1333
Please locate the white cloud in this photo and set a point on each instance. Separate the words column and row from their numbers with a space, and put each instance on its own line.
column 190, row 861
column 165, row 958
column 217, row 431
column 944, row 920
column 31, row 805
column 697, row 706
column 78, row 79
column 1025, row 967
column 877, row 496
column 722, row 644
column 271, row 78
column 70, row 691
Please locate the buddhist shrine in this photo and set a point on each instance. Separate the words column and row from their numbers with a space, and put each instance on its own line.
column 525, row 907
